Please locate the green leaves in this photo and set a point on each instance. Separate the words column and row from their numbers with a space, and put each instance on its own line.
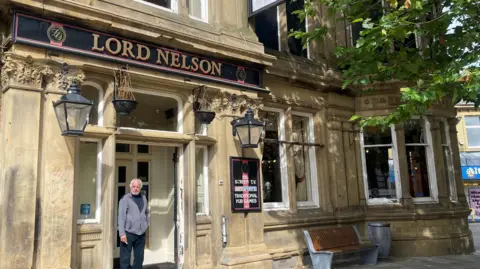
column 433, row 47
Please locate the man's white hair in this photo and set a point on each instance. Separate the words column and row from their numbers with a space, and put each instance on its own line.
column 138, row 180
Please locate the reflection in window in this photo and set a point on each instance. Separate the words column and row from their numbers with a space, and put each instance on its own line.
column 293, row 23
column 153, row 112
column 473, row 130
column 87, row 177
column 266, row 28
column 301, row 158
column 379, row 163
column 201, row 170
column 272, row 176
column 416, row 149
column 200, row 128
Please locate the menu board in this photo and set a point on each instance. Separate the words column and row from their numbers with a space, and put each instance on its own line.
column 245, row 184
column 474, row 202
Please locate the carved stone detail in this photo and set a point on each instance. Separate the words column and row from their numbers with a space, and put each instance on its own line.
column 24, row 72
column 377, row 102
column 228, row 103
column 319, row 102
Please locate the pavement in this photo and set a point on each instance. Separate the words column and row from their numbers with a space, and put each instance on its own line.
column 471, row 261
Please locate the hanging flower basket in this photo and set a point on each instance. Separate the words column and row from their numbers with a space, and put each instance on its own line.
column 123, row 101
column 124, row 107
column 205, row 117
column 201, row 106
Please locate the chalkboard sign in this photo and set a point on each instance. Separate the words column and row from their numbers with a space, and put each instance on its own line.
column 245, row 184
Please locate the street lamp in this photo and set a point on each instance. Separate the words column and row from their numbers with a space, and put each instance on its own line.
column 249, row 130
column 72, row 111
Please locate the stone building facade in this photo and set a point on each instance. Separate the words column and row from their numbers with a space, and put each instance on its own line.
column 318, row 169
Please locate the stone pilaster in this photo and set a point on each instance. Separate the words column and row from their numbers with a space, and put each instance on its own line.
column 336, row 161
column 359, row 166
column 452, row 127
column 439, row 160
column 349, row 147
column 21, row 80
column 56, row 181
column 246, row 247
column 406, row 199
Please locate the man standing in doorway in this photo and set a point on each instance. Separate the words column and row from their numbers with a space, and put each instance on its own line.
column 132, row 225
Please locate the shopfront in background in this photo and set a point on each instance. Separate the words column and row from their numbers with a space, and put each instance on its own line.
column 470, row 162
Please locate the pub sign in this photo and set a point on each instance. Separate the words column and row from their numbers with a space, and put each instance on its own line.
column 245, row 184
column 45, row 33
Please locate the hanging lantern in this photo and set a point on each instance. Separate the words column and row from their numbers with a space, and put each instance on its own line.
column 249, row 130
column 201, row 106
column 72, row 111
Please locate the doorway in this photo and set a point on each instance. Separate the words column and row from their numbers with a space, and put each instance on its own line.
column 156, row 167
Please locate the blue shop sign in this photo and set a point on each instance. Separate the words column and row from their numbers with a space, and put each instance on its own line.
column 471, row 172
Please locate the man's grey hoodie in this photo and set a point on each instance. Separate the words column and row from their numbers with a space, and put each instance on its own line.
column 130, row 218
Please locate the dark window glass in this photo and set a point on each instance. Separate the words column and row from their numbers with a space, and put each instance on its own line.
column 122, row 174
column 145, row 191
column 266, row 28
column 272, row 179
column 163, row 3
column 122, row 147
column 414, row 132
column 143, row 171
column 293, row 23
column 143, row 149
column 380, row 172
column 376, row 136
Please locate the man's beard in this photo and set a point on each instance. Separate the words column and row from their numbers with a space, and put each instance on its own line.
column 135, row 192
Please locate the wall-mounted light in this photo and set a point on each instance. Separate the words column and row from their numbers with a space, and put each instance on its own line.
column 72, row 111
column 249, row 129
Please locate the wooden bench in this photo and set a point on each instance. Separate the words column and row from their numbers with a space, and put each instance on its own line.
column 323, row 244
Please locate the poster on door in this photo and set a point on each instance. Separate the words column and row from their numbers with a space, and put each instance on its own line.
column 474, row 202
column 244, row 182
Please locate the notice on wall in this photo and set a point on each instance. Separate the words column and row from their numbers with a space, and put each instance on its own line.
column 474, row 202
column 245, row 184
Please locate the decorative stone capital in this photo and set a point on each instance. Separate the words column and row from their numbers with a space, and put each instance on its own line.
column 230, row 104
column 23, row 72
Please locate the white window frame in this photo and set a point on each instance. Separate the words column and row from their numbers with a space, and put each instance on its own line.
column 98, row 185
column 174, row 8
column 450, row 169
column 204, row 11
column 430, row 156
column 470, row 127
column 179, row 112
column 396, row 169
column 283, row 163
column 314, row 202
column 205, row 182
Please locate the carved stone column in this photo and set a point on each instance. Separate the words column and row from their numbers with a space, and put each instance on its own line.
column 440, row 169
column 19, row 167
column 406, row 199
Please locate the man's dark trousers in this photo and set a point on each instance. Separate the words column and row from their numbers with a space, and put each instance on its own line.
column 137, row 242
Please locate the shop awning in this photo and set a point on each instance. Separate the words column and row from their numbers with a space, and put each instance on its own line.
column 470, row 162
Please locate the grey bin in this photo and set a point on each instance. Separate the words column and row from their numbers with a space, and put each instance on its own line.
column 381, row 234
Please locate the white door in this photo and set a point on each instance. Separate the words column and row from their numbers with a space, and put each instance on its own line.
column 154, row 166
column 124, row 173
